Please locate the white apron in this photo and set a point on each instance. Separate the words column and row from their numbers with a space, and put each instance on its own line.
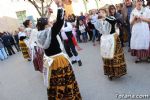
column 140, row 35
column 107, row 46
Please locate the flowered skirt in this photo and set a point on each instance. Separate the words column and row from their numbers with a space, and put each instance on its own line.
column 115, row 67
column 24, row 49
column 63, row 85
column 141, row 53
column 38, row 59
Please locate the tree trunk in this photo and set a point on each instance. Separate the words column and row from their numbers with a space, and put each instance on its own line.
column 96, row 4
column 42, row 1
column 85, row 5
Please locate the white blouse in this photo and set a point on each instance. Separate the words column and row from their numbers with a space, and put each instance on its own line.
column 82, row 28
column 21, row 34
column 140, row 38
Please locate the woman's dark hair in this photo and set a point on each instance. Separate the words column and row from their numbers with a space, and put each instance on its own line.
column 110, row 8
column 26, row 23
column 41, row 22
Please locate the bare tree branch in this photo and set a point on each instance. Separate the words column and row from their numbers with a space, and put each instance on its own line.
column 42, row 10
column 36, row 6
column 46, row 12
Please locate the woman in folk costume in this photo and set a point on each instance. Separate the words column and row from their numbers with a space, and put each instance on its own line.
column 61, row 84
column 140, row 39
column 148, row 9
column 111, row 50
column 70, row 43
column 24, row 48
column 36, row 53
column 28, row 30
column 28, row 27
column 119, row 20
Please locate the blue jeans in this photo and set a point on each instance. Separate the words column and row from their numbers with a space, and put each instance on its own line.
column 94, row 35
column 3, row 54
column 78, row 36
column 129, row 34
column 128, row 28
column 121, row 36
column 85, row 37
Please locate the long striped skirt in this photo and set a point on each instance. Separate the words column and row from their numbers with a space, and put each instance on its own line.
column 62, row 84
column 115, row 67
column 24, row 49
column 38, row 58
column 141, row 53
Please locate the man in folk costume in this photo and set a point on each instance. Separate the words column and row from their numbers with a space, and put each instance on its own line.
column 70, row 42
column 140, row 39
column 111, row 50
column 61, row 82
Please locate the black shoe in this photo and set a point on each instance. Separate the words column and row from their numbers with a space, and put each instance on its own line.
column 79, row 63
column 98, row 40
column 73, row 62
column 29, row 59
column 129, row 50
column 110, row 78
column 138, row 60
column 148, row 59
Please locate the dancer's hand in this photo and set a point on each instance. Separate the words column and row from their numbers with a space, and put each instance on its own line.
column 78, row 48
column 143, row 19
column 50, row 10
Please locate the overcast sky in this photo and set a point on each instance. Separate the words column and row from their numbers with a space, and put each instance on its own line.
column 9, row 7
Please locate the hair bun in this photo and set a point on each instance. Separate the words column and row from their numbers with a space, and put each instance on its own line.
column 41, row 22
column 26, row 23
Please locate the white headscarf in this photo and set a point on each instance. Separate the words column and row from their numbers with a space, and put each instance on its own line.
column 103, row 26
column 44, row 38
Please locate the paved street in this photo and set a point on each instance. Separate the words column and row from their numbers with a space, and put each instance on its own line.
column 19, row 81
